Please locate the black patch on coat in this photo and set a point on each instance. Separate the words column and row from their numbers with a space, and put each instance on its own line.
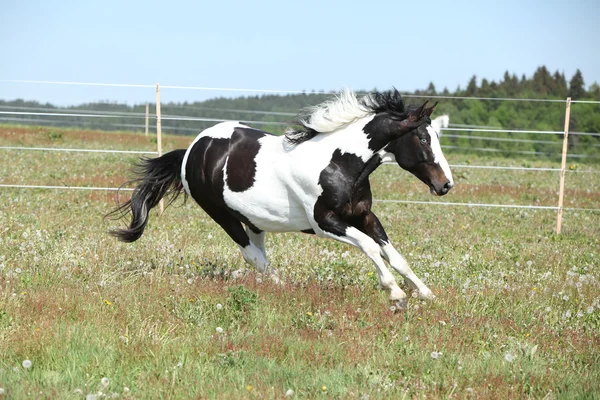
column 205, row 178
column 241, row 165
column 346, row 198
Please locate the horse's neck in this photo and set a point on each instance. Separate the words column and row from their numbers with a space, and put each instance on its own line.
column 368, row 169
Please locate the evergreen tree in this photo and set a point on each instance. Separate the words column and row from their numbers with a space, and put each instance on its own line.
column 576, row 86
column 560, row 84
column 431, row 89
column 472, row 87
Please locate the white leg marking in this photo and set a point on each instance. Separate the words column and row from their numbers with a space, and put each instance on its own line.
column 258, row 239
column 255, row 255
column 372, row 250
column 399, row 264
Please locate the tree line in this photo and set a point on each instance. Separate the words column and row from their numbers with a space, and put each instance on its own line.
column 274, row 112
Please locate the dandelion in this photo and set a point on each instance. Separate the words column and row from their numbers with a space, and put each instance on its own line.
column 565, row 297
column 249, row 388
column 91, row 396
column 509, row 357
column 2, row 391
column 179, row 364
column 219, row 329
column 27, row 364
column 435, row 355
column 219, row 306
column 190, row 281
column 590, row 310
column 324, row 388
column 107, row 302
column 567, row 314
column 289, row 393
column 309, row 313
column 104, row 382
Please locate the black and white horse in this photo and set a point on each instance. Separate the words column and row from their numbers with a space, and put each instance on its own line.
column 314, row 179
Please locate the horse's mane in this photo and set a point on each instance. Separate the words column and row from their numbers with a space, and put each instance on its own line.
column 342, row 110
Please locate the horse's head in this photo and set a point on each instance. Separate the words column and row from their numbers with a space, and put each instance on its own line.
column 419, row 152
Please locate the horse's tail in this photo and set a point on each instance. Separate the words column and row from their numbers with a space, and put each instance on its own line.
column 155, row 178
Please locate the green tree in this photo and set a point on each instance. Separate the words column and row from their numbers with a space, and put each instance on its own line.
column 472, row 87
column 577, row 86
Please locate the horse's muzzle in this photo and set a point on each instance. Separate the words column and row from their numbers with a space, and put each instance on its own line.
column 440, row 190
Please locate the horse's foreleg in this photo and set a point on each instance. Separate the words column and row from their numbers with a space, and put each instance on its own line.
column 373, row 228
column 334, row 227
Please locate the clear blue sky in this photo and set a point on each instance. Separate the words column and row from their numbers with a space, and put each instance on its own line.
column 293, row 45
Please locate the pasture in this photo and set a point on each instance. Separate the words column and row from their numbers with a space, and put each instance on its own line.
column 517, row 312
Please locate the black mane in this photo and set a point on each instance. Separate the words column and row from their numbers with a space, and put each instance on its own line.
column 390, row 102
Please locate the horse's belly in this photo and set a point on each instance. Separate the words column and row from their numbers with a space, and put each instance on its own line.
column 269, row 211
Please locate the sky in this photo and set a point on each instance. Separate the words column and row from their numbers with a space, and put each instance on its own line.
column 284, row 45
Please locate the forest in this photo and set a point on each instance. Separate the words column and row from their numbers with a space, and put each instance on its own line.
column 274, row 112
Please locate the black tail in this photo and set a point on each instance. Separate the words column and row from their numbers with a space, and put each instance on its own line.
column 155, row 178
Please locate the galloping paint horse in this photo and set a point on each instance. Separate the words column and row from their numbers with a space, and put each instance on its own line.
column 314, row 179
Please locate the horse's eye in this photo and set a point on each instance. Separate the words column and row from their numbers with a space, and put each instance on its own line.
column 424, row 141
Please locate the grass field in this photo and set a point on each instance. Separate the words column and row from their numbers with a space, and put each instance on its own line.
column 517, row 313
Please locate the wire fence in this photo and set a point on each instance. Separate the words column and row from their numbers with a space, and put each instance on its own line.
column 13, row 113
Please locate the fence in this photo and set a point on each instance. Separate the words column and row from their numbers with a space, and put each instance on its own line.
column 41, row 111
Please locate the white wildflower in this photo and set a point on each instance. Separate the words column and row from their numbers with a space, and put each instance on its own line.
column 509, row 357
column 219, row 329
column 219, row 306
column 27, row 364
column 104, row 382
column 289, row 393
column 435, row 354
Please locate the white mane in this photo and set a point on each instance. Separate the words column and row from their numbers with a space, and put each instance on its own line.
column 334, row 114
column 439, row 123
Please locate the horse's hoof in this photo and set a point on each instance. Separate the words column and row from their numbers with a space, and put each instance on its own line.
column 427, row 295
column 399, row 305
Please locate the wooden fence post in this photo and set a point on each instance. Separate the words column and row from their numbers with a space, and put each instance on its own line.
column 563, row 166
column 147, row 115
column 159, row 135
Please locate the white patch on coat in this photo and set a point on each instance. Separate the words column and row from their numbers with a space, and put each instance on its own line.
column 440, row 123
column 438, row 156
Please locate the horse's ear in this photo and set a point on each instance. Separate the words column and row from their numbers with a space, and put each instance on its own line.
column 430, row 110
column 416, row 115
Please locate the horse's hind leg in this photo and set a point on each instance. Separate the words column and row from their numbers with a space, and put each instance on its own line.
column 234, row 228
column 258, row 239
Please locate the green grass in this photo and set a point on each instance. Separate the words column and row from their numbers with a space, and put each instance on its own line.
column 517, row 312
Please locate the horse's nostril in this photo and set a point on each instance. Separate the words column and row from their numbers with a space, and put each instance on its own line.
column 447, row 186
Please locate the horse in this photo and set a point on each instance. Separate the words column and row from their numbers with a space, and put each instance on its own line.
column 313, row 179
